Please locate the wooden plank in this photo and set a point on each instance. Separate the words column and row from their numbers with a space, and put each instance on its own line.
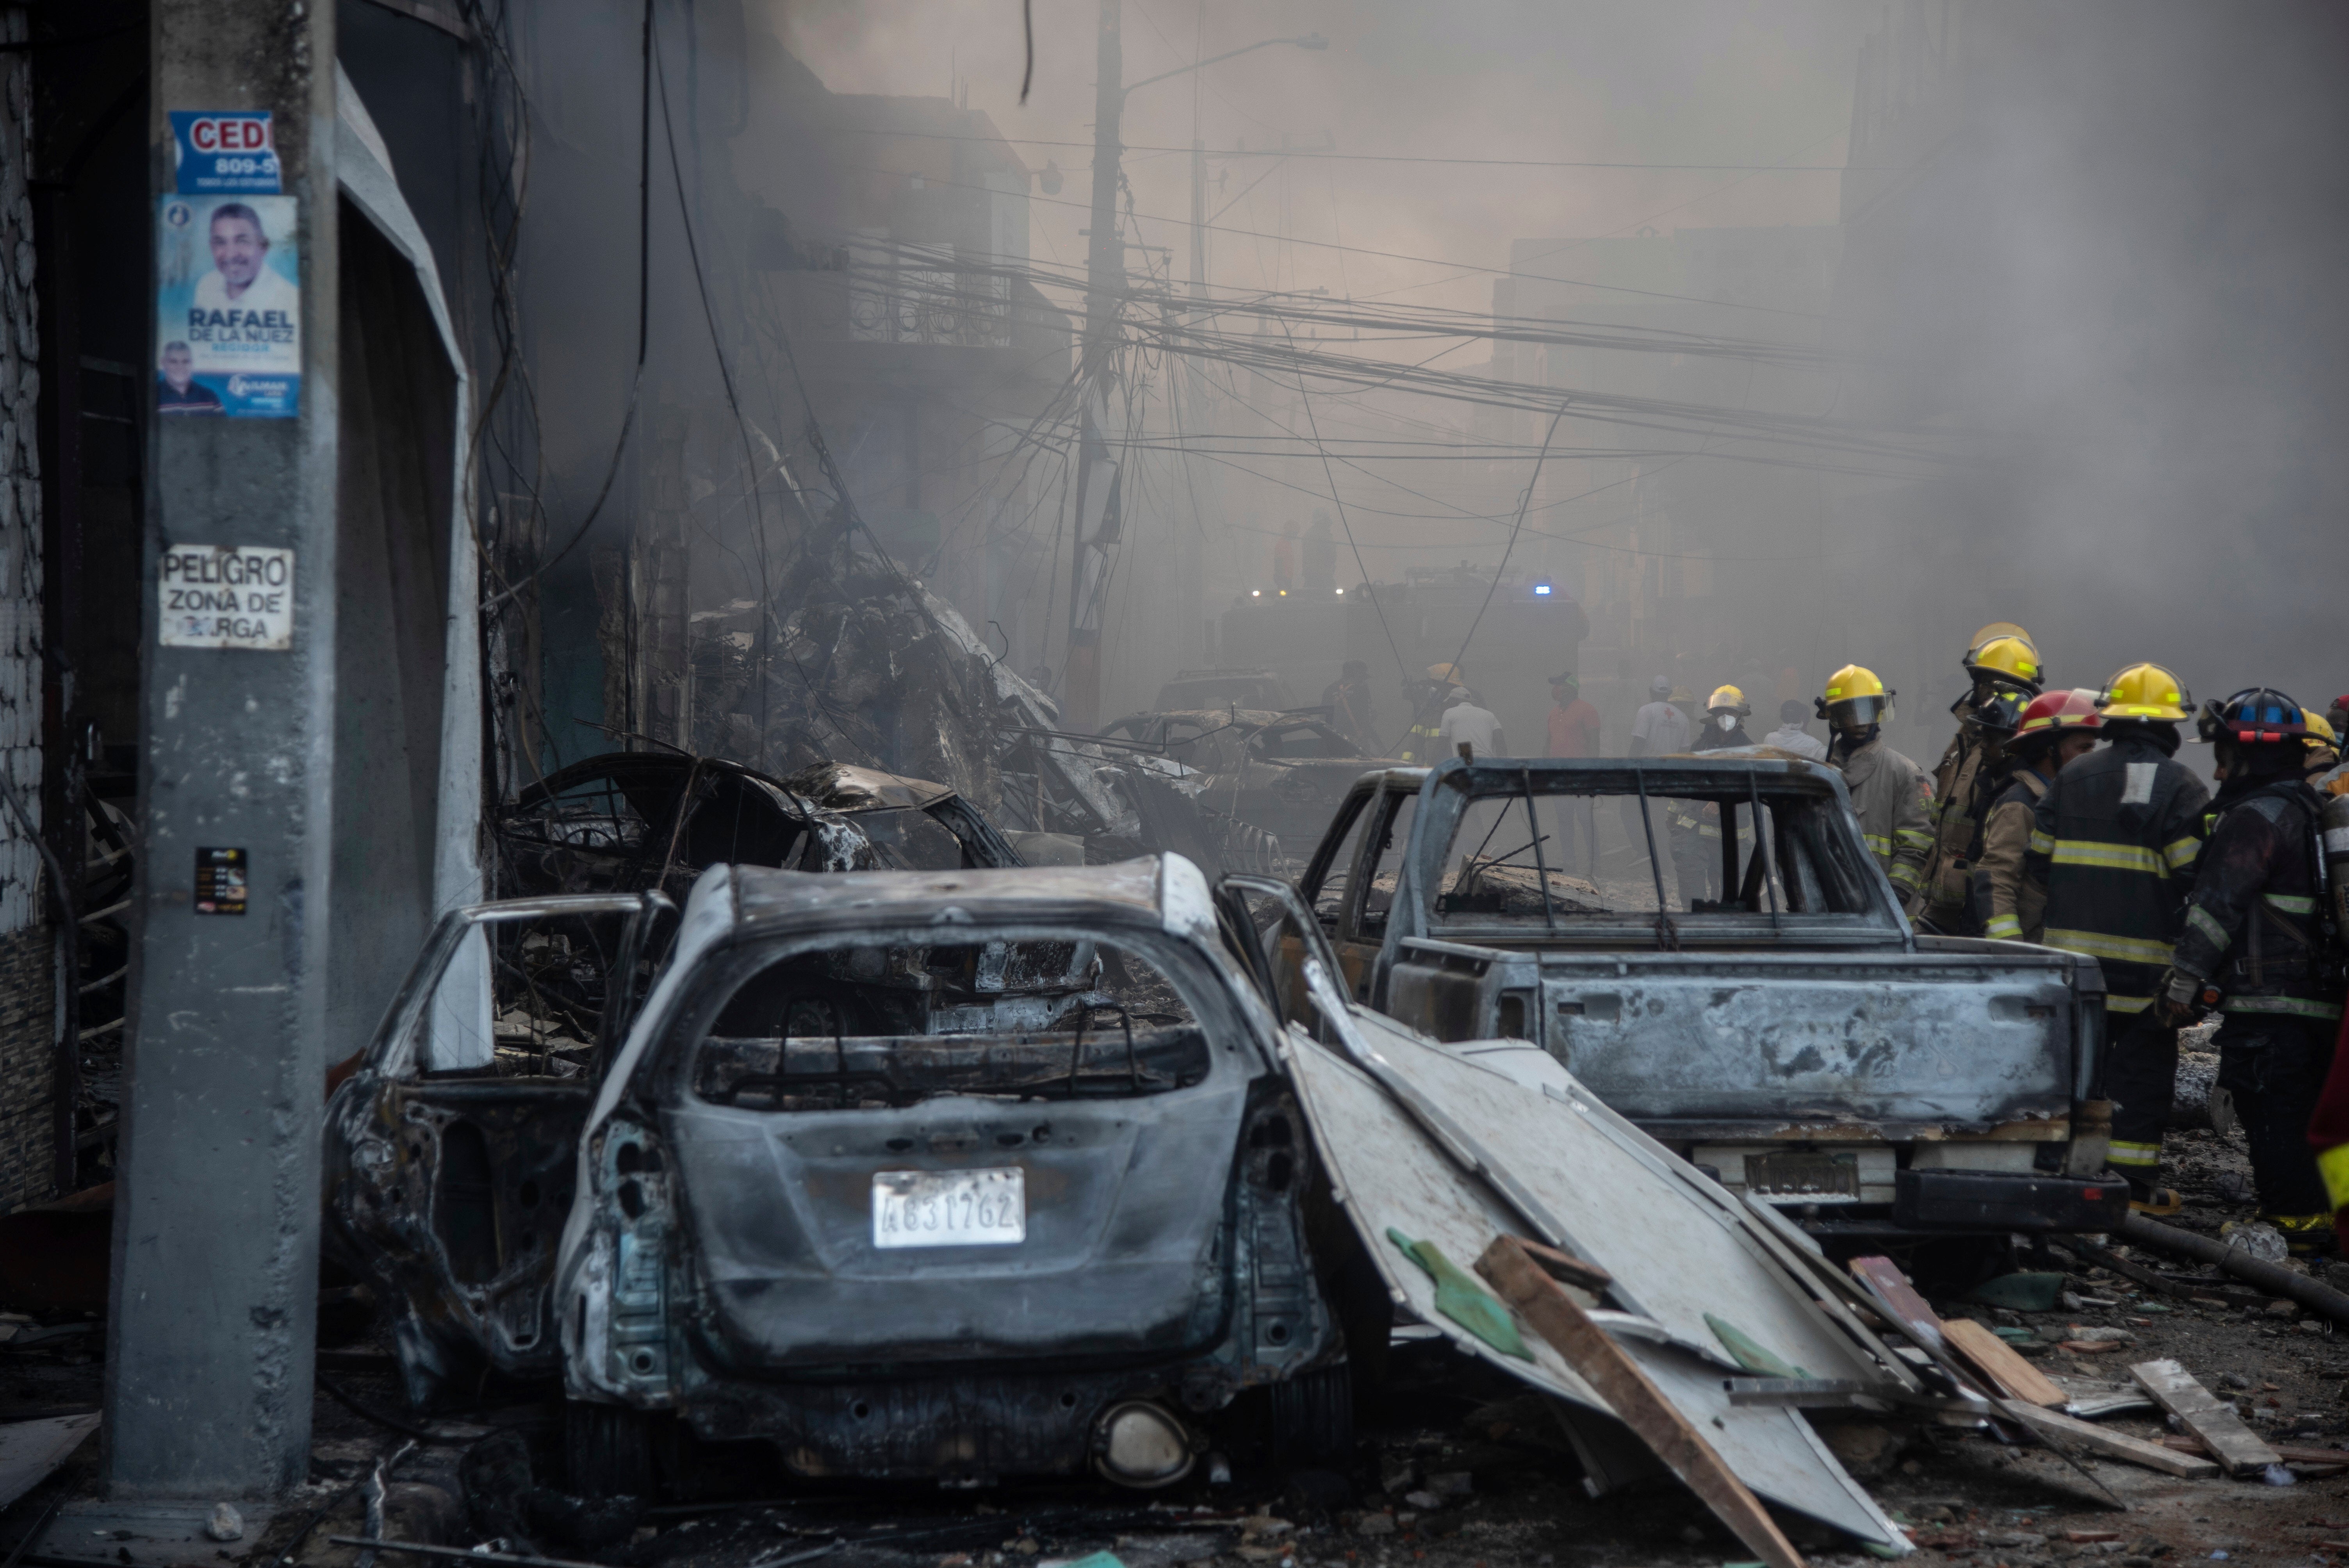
column 1566, row 1266
column 1996, row 1360
column 2234, row 1445
column 1885, row 1280
column 2290, row 1453
column 1561, row 1321
column 2054, row 1428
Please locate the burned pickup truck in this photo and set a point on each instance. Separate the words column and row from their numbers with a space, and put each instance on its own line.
column 1795, row 1034
column 950, row 1175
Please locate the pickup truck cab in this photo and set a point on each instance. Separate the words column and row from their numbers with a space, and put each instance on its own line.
column 1793, row 1035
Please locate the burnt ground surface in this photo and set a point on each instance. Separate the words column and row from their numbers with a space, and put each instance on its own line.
column 1457, row 1467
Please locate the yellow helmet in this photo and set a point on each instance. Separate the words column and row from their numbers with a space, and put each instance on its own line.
column 2009, row 660
column 1681, row 694
column 2320, row 727
column 1730, row 699
column 1445, row 673
column 2145, row 691
column 1853, row 697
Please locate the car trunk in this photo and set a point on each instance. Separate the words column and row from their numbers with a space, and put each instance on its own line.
column 1121, row 1252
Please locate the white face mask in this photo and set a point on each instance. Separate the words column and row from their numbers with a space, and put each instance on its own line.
column 1727, row 721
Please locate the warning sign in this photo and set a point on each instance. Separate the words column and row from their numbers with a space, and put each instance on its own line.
column 219, row 882
column 225, row 596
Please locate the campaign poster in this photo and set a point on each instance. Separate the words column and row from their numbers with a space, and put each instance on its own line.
column 228, row 307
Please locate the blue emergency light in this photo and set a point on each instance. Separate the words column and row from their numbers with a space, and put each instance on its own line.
column 1541, row 590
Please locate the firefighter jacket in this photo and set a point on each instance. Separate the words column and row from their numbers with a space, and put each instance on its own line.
column 2255, row 921
column 1963, row 789
column 1700, row 817
column 2115, row 838
column 1421, row 743
column 1890, row 795
column 2008, row 899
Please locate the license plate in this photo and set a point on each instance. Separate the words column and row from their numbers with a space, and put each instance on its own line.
column 949, row 1208
column 1793, row 1174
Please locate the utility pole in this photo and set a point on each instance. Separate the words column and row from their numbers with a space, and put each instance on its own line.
column 214, row 1287
column 1104, row 287
column 1104, row 292
column 1198, row 218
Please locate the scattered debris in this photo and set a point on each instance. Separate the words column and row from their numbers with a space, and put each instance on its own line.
column 1392, row 1113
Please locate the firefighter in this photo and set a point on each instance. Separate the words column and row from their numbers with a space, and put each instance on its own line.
column 1429, row 698
column 1889, row 793
column 2057, row 729
column 2259, row 947
column 1696, row 824
column 2324, row 749
column 1725, row 712
column 2003, row 664
column 1957, row 824
column 2114, row 838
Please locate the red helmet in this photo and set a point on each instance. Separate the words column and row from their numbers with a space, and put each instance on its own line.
column 2052, row 713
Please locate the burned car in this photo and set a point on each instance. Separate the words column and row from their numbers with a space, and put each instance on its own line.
column 635, row 819
column 1284, row 773
column 954, row 1175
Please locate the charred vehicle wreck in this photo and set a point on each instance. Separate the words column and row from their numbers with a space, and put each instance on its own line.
column 1794, row 1036
column 1282, row 775
column 955, row 1175
column 629, row 821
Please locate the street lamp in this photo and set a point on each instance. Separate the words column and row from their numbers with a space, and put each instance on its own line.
column 1106, row 255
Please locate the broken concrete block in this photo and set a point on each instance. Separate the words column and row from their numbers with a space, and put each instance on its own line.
column 1425, row 1502
column 1375, row 1524
column 1452, row 1483
column 225, row 1523
column 1397, row 1474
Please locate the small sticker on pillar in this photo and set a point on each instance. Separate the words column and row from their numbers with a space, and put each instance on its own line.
column 219, row 882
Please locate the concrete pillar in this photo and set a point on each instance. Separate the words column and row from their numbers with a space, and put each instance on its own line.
column 208, row 1372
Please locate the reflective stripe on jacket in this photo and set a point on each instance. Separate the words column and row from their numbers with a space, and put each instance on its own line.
column 1889, row 794
column 2116, row 839
column 2008, row 899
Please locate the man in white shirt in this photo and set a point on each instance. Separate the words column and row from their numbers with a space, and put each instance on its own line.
column 1479, row 727
column 1790, row 734
column 1659, row 728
